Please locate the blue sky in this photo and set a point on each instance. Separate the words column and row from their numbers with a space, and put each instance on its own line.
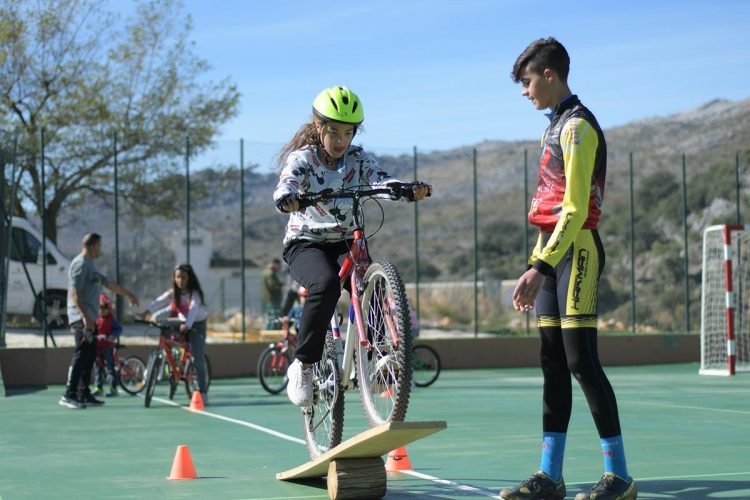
column 434, row 73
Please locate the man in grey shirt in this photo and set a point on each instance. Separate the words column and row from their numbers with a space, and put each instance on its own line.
column 84, row 287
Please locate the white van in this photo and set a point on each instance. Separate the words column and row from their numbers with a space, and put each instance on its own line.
column 26, row 247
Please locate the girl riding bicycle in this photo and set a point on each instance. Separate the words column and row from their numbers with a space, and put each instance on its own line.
column 321, row 156
column 185, row 300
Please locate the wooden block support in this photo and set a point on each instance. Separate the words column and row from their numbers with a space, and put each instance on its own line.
column 356, row 478
column 371, row 443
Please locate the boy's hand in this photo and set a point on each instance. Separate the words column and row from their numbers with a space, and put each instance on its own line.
column 527, row 288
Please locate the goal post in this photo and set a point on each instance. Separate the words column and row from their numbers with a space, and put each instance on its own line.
column 725, row 300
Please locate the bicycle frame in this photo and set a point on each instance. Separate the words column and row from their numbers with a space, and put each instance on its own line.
column 168, row 342
column 377, row 334
column 354, row 267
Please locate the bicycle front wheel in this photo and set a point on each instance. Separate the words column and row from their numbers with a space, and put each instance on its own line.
column 426, row 365
column 153, row 370
column 132, row 375
column 323, row 421
column 272, row 366
column 384, row 366
column 191, row 376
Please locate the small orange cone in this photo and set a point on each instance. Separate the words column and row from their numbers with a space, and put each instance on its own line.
column 196, row 402
column 388, row 393
column 398, row 460
column 182, row 467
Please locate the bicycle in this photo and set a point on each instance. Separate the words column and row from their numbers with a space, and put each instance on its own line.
column 275, row 360
column 379, row 328
column 426, row 365
column 173, row 348
column 130, row 371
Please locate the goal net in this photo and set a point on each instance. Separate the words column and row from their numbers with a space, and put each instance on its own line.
column 725, row 300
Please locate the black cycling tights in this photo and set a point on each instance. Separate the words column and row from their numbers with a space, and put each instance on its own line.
column 573, row 351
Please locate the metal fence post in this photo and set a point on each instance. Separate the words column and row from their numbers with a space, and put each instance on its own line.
column 632, row 249
column 416, row 244
column 118, row 298
column 242, row 232
column 43, row 214
column 187, row 198
column 476, row 253
column 685, row 230
column 525, row 224
column 737, row 177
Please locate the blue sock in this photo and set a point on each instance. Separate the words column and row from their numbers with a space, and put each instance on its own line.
column 553, row 450
column 614, row 457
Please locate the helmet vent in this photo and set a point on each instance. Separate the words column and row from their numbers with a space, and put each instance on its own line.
column 354, row 106
column 345, row 98
column 333, row 102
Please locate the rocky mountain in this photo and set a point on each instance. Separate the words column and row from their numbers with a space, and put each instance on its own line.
column 711, row 138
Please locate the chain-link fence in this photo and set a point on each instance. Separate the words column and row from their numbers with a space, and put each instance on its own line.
column 459, row 251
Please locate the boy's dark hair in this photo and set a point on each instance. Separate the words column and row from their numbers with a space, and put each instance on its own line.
column 541, row 54
column 91, row 239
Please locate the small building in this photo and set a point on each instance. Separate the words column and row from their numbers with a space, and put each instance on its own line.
column 220, row 277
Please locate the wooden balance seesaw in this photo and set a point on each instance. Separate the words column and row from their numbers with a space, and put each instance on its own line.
column 355, row 468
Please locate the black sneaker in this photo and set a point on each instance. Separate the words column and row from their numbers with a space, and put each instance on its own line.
column 611, row 487
column 71, row 402
column 538, row 487
column 90, row 400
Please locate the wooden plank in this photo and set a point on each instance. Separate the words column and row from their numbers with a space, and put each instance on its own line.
column 373, row 442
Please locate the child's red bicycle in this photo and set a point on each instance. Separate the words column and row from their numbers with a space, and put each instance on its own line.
column 130, row 370
column 172, row 358
column 378, row 336
column 275, row 360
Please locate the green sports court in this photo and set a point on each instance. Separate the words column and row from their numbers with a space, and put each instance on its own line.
column 685, row 437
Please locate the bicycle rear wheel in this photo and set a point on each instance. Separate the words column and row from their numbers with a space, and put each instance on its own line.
column 132, row 375
column 272, row 366
column 323, row 422
column 191, row 376
column 426, row 365
column 153, row 370
column 384, row 367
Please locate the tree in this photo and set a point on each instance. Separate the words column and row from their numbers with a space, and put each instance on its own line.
column 74, row 70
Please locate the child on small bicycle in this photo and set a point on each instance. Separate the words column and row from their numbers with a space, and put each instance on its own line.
column 108, row 331
column 185, row 300
column 321, row 156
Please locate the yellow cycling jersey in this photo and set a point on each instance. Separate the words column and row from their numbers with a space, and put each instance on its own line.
column 570, row 190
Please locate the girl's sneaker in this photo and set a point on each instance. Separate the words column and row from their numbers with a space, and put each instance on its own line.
column 299, row 389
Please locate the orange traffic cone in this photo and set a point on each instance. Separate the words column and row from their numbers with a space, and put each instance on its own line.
column 182, row 467
column 196, row 402
column 398, row 460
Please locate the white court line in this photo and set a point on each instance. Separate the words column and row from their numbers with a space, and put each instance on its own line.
column 281, row 435
column 686, row 407
column 234, row 421
column 453, row 484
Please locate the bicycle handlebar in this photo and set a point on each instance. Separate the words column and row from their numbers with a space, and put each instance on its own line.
column 162, row 324
column 396, row 191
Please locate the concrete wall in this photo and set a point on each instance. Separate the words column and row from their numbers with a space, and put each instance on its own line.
column 44, row 366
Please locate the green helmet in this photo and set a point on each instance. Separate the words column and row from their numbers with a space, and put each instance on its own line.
column 339, row 104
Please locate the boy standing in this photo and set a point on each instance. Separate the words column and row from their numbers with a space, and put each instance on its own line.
column 562, row 280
